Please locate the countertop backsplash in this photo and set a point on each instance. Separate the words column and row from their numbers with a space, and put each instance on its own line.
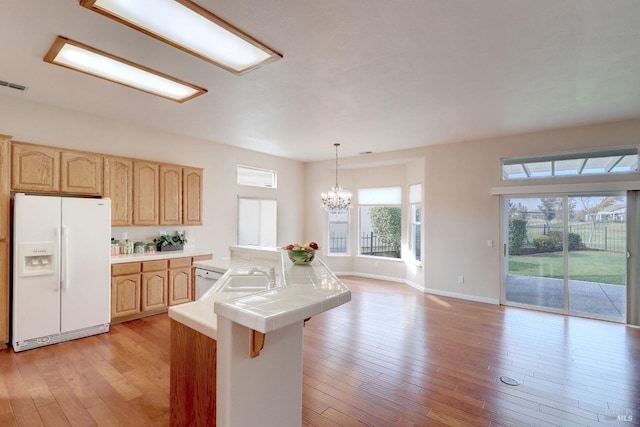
column 147, row 234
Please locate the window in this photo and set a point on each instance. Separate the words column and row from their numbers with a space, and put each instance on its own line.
column 380, row 221
column 338, row 233
column 255, row 177
column 257, row 221
column 620, row 160
column 415, row 201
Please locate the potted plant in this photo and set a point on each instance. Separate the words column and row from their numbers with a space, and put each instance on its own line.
column 170, row 243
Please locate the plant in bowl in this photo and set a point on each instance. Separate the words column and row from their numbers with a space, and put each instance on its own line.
column 301, row 254
column 170, row 243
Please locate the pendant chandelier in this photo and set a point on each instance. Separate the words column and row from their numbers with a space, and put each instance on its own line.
column 338, row 199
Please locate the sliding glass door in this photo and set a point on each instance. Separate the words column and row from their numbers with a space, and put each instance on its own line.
column 567, row 254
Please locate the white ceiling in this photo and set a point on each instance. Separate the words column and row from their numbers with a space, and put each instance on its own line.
column 374, row 75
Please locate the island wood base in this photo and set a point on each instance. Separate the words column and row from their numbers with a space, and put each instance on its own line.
column 193, row 377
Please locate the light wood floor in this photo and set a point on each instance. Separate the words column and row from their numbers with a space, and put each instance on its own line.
column 391, row 357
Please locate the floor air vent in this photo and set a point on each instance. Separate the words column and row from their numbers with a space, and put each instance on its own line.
column 12, row 85
column 509, row 381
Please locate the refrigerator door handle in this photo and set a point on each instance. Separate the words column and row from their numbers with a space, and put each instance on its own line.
column 65, row 258
column 58, row 243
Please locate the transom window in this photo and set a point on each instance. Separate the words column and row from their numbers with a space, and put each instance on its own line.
column 620, row 160
column 256, row 177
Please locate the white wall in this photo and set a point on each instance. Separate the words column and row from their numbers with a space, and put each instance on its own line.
column 459, row 212
column 41, row 124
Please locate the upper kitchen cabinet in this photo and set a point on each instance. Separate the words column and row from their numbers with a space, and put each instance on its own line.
column 5, row 177
column 35, row 168
column 170, row 195
column 146, row 190
column 118, row 186
column 81, row 173
column 191, row 196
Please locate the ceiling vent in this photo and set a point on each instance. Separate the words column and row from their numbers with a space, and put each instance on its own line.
column 13, row 85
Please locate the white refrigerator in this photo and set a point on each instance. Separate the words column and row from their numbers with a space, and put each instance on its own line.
column 61, row 269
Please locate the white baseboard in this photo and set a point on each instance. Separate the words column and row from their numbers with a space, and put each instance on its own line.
column 422, row 289
column 475, row 298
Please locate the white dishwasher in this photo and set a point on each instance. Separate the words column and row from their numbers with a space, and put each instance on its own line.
column 205, row 279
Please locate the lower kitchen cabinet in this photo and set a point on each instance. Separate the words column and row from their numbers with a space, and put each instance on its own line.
column 180, row 289
column 143, row 288
column 154, row 285
column 125, row 295
column 125, row 290
column 154, row 290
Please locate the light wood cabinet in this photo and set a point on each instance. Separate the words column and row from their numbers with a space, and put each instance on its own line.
column 145, row 193
column 125, row 290
column 154, row 285
column 118, row 186
column 154, row 290
column 191, row 196
column 81, row 173
column 125, row 295
column 180, row 276
column 5, row 177
column 35, row 168
column 170, row 195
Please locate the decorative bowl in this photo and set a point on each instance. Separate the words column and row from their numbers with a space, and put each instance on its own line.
column 301, row 256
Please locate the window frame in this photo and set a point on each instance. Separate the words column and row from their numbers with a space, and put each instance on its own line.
column 246, row 170
column 346, row 238
column 415, row 202
column 370, row 193
column 549, row 166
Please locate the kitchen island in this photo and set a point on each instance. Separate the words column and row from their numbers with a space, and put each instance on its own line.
column 249, row 326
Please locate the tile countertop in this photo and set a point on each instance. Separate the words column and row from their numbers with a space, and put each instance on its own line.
column 307, row 290
column 118, row 259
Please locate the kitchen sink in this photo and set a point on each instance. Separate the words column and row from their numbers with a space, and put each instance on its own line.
column 246, row 283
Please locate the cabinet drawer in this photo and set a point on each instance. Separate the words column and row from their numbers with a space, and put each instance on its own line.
column 202, row 258
column 127, row 268
column 179, row 262
column 154, row 265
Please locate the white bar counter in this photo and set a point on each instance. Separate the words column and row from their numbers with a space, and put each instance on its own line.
column 263, row 389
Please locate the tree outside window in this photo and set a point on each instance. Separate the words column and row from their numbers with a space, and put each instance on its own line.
column 380, row 221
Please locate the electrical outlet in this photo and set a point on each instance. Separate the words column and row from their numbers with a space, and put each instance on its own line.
column 460, row 279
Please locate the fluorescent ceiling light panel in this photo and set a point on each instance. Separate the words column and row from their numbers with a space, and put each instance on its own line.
column 80, row 57
column 191, row 28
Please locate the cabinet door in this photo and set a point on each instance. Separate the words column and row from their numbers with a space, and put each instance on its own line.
column 170, row 195
column 118, row 186
column 81, row 173
column 35, row 168
column 154, row 290
column 192, row 196
column 179, row 285
column 125, row 295
column 145, row 193
column 5, row 177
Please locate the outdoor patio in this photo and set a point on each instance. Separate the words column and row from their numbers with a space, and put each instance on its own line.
column 599, row 299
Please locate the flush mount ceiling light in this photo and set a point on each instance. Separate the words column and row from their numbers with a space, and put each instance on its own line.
column 191, row 28
column 86, row 59
column 338, row 199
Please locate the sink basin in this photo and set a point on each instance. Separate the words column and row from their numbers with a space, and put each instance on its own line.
column 246, row 283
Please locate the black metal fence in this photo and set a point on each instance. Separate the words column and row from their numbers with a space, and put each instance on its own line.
column 337, row 243
column 370, row 244
column 601, row 235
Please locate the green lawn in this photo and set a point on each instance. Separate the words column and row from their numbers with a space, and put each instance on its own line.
column 590, row 266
